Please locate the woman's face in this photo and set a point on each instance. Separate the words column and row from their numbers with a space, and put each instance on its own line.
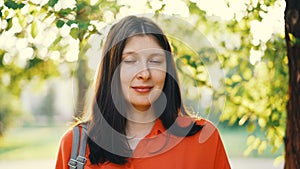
column 142, row 71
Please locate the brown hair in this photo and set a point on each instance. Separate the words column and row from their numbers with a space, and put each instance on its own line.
column 106, row 122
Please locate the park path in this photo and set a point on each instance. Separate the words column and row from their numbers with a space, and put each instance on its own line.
column 236, row 163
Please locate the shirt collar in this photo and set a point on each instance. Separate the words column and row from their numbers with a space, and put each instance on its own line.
column 183, row 121
column 157, row 129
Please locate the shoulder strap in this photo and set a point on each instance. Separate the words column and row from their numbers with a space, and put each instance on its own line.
column 77, row 161
column 81, row 157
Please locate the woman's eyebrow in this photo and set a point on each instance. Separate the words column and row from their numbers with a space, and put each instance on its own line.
column 158, row 53
column 124, row 54
column 129, row 52
column 155, row 53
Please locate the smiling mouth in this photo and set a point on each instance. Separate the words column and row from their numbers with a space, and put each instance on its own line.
column 142, row 89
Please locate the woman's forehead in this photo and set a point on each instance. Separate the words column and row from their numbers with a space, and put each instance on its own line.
column 141, row 42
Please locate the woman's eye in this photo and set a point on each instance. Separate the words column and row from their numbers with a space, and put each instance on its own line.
column 156, row 58
column 155, row 61
column 129, row 61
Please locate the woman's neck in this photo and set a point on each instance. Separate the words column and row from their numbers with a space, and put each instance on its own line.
column 139, row 122
column 140, row 117
column 138, row 125
column 138, row 130
column 135, row 132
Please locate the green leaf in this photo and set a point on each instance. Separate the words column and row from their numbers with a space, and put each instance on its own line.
column 5, row 14
column 52, row 2
column 33, row 63
column 65, row 12
column 22, row 18
column 1, row 11
column 262, row 122
column 278, row 160
column 81, row 5
column 294, row 40
column 70, row 22
column 34, row 29
column 248, row 151
column 251, row 127
column 13, row 5
column 185, row 58
column 57, row 40
column 74, row 33
column 250, row 140
column 83, row 25
column 243, row 120
column 9, row 23
column 262, row 147
column 60, row 23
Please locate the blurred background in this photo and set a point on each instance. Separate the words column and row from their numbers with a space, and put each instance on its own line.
column 231, row 57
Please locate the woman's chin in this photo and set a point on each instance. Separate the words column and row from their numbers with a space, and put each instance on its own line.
column 142, row 107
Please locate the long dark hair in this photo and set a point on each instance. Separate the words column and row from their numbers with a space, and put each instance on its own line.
column 107, row 124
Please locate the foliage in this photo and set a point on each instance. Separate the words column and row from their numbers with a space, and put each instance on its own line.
column 257, row 93
column 255, row 90
column 241, row 66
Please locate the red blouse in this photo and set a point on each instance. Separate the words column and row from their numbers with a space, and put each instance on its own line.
column 159, row 150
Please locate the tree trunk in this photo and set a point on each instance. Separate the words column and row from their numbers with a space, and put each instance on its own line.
column 81, row 77
column 292, row 36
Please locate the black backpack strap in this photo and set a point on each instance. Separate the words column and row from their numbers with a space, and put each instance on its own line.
column 77, row 161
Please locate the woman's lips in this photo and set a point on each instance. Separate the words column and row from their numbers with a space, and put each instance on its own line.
column 142, row 89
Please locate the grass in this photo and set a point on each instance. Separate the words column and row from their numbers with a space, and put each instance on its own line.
column 235, row 142
column 32, row 143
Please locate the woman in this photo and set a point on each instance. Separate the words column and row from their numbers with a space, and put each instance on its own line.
column 137, row 119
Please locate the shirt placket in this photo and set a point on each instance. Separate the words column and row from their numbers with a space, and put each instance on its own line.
column 129, row 164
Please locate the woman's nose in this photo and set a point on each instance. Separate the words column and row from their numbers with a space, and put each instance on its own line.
column 144, row 73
